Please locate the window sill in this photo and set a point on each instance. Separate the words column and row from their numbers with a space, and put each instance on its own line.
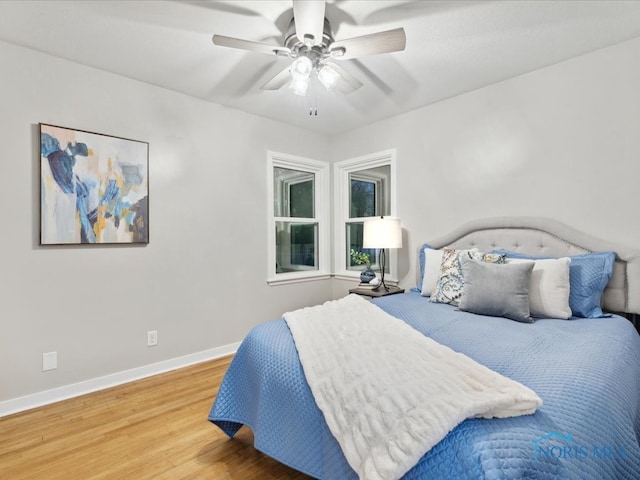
column 347, row 276
column 285, row 279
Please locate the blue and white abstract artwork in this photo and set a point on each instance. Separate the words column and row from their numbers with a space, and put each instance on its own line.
column 94, row 188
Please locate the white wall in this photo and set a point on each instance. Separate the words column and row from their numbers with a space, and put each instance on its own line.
column 561, row 142
column 201, row 280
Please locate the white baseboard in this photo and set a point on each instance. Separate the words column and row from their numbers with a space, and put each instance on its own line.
column 15, row 405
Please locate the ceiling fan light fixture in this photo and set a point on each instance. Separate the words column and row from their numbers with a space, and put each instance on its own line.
column 301, row 67
column 299, row 85
column 328, row 77
column 309, row 43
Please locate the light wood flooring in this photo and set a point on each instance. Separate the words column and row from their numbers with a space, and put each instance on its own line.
column 155, row 428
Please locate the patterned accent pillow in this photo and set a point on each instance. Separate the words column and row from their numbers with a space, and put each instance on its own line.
column 450, row 285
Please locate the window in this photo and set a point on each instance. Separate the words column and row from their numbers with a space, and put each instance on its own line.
column 365, row 188
column 298, row 232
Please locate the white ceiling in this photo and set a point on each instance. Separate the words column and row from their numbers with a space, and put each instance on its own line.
column 452, row 47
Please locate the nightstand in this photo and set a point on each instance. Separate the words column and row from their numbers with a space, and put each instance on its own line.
column 368, row 292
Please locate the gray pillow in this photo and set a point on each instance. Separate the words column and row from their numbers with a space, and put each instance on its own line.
column 497, row 290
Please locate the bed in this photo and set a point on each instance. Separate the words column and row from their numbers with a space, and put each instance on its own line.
column 586, row 370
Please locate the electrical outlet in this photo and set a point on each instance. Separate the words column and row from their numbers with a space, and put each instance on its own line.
column 152, row 338
column 49, row 361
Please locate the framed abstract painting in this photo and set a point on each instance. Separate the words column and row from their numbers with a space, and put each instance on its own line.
column 94, row 188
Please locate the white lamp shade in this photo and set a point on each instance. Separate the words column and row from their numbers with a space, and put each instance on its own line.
column 299, row 85
column 301, row 67
column 382, row 232
column 328, row 77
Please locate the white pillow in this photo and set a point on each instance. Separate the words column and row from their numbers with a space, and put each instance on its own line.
column 432, row 261
column 549, row 287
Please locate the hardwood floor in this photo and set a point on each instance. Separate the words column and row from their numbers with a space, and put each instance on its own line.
column 155, row 428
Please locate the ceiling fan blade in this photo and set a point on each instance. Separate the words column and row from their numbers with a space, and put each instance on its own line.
column 347, row 83
column 382, row 42
column 279, row 81
column 224, row 41
column 308, row 16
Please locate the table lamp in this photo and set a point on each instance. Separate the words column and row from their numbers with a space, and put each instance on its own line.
column 382, row 233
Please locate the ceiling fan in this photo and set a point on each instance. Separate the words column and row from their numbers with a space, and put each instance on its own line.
column 309, row 41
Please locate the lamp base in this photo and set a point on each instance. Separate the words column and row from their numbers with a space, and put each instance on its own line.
column 383, row 266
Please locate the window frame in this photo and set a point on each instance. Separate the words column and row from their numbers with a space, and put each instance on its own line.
column 320, row 171
column 342, row 188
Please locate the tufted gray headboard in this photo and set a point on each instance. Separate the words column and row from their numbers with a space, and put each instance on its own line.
column 543, row 236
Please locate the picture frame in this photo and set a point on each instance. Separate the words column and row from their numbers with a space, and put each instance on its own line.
column 94, row 188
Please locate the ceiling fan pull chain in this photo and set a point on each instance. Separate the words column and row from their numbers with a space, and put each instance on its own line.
column 313, row 99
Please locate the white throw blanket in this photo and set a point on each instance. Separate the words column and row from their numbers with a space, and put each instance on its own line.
column 389, row 393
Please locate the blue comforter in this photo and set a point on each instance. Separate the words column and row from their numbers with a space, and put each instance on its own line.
column 587, row 372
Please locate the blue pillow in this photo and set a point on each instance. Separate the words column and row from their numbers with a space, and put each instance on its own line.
column 418, row 287
column 588, row 276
